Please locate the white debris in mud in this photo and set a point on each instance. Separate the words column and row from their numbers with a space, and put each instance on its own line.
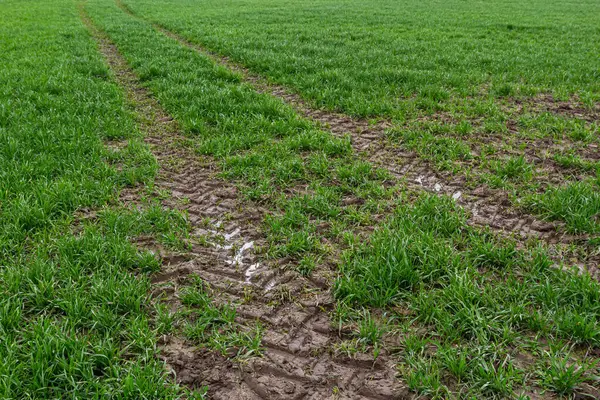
column 437, row 187
column 233, row 241
column 229, row 241
column 419, row 180
column 457, row 195
column 239, row 256
column 270, row 285
column 251, row 271
column 229, row 236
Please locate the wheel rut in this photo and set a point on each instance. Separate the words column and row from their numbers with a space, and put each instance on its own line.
column 298, row 361
column 488, row 208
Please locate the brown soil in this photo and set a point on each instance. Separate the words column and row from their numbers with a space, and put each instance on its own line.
column 298, row 360
column 571, row 109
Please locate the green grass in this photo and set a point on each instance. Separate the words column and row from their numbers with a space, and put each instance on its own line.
column 74, row 308
column 574, row 202
column 441, row 150
column 576, row 163
column 386, row 58
column 452, row 76
column 214, row 326
column 464, row 285
column 460, row 306
column 578, row 204
column 258, row 141
column 513, row 169
column 483, row 301
column 560, row 374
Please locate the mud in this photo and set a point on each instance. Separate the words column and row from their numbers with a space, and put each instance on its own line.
column 298, row 360
column 573, row 108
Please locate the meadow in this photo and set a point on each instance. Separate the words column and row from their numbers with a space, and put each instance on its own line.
column 316, row 199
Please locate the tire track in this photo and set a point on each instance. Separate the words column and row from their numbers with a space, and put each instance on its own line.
column 487, row 207
column 298, row 362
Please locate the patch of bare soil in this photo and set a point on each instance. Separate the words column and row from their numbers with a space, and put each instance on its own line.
column 570, row 109
column 298, row 360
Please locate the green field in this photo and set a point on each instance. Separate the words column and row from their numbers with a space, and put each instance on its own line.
column 299, row 199
column 369, row 58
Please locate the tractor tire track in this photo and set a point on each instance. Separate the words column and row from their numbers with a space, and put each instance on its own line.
column 298, row 362
column 488, row 208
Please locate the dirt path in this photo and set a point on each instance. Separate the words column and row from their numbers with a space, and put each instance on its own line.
column 298, row 361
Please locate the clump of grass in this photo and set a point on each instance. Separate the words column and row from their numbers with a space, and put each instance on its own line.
column 424, row 377
column 444, row 151
column 561, row 374
column 515, row 169
column 400, row 255
column 169, row 226
column 456, row 361
column 578, row 204
column 370, row 331
column 496, row 376
column 366, row 330
column 307, row 264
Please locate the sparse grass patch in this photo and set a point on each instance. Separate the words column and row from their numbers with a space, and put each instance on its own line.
column 575, row 162
column 560, row 374
column 441, row 150
column 515, row 169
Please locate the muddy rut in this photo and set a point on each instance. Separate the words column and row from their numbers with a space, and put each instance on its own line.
column 488, row 207
column 298, row 361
